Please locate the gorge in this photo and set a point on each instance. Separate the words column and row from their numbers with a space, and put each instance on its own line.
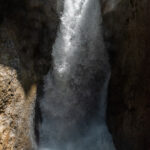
column 51, row 51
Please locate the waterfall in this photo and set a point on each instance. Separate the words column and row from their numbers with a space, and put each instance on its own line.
column 73, row 106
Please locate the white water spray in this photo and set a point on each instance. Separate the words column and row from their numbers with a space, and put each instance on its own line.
column 75, row 90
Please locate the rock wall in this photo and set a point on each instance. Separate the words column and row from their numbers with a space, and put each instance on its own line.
column 129, row 92
column 16, row 112
column 27, row 32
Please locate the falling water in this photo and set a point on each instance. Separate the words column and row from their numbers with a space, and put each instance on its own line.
column 73, row 106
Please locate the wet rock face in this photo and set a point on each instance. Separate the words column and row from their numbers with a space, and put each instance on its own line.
column 27, row 32
column 32, row 25
column 129, row 105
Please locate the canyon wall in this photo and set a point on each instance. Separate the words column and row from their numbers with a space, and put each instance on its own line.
column 27, row 32
column 129, row 93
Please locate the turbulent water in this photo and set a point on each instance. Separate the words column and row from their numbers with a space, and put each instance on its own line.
column 73, row 106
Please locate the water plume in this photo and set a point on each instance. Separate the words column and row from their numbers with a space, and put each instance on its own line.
column 74, row 103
